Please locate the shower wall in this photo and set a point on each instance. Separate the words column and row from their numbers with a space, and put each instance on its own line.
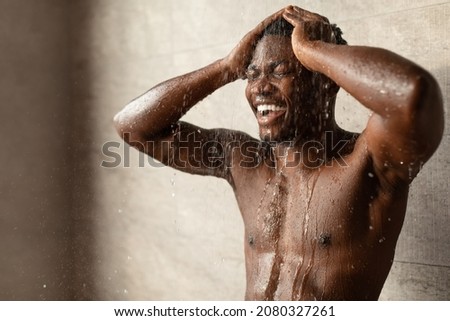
column 35, row 194
column 92, row 219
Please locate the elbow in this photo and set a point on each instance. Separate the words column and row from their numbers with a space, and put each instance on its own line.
column 129, row 131
column 119, row 124
column 427, row 109
column 425, row 93
column 124, row 128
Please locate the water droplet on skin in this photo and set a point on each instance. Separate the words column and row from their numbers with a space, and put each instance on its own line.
column 370, row 174
column 382, row 91
column 401, row 163
column 389, row 219
column 44, row 286
column 382, row 240
column 370, row 227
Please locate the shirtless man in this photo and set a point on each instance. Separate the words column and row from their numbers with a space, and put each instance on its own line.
column 322, row 208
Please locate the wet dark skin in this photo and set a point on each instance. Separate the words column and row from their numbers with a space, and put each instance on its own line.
column 321, row 222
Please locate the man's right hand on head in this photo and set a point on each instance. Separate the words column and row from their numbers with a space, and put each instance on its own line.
column 239, row 58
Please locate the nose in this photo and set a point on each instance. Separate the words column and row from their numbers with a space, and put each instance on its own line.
column 262, row 86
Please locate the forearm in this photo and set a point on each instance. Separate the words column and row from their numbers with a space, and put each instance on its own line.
column 381, row 80
column 155, row 111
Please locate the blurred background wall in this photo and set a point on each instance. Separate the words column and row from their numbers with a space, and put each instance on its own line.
column 35, row 160
column 71, row 228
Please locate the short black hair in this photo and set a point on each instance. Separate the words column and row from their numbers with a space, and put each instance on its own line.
column 281, row 27
column 338, row 35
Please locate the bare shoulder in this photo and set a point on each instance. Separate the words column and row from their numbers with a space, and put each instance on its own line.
column 246, row 155
column 379, row 175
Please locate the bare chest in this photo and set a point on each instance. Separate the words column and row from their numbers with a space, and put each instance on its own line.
column 306, row 230
column 304, row 208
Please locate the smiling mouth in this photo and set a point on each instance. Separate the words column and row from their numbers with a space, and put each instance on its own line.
column 267, row 114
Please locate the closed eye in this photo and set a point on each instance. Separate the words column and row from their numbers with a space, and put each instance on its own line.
column 282, row 69
column 252, row 73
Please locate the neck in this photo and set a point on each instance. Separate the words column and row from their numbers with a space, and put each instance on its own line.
column 320, row 121
column 311, row 149
column 316, row 132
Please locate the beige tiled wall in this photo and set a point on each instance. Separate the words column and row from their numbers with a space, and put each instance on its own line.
column 143, row 233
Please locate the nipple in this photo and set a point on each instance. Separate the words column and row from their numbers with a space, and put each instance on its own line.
column 324, row 239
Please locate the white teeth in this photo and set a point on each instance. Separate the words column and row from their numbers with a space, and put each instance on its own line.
column 262, row 108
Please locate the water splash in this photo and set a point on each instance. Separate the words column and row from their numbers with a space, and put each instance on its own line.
column 272, row 222
column 302, row 275
column 310, row 191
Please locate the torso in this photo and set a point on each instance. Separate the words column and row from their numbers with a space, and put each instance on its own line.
column 326, row 233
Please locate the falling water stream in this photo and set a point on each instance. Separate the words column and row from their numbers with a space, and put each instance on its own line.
column 273, row 219
column 301, row 275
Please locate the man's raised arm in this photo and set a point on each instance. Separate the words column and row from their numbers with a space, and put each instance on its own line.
column 407, row 124
column 151, row 121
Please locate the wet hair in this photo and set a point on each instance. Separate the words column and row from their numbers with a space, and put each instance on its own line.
column 282, row 27
column 279, row 27
column 338, row 35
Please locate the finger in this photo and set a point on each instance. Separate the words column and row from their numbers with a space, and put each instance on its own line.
column 302, row 12
column 299, row 14
column 309, row 15
column 292, row 19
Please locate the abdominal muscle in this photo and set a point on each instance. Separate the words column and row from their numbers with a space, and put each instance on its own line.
column 312, row 276
column 295, row 280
